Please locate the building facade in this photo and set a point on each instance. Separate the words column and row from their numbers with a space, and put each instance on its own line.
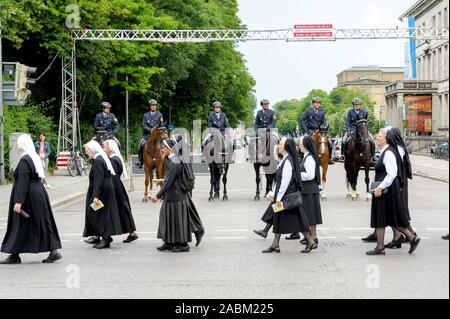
column 372, row 79
column 424, row 101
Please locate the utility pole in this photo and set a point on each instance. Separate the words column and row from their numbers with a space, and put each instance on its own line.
column 2, row 120
column 127, row 136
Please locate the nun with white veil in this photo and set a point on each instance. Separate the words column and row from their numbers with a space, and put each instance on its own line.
column 104, row 222
column 38, row 232
column 123, row 202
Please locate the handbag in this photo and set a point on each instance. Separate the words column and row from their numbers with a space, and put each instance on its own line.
column 293, row 200
column 375, row 185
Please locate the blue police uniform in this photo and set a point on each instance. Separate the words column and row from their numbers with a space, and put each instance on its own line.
column 107, row 122
column 353, row 117
column 151, row 120
column 265, row 119
column 311, row 120
column 218, row 121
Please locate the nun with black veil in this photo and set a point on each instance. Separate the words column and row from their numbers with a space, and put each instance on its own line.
column 176, row 223
column 104, row 222
column 388, row 206
column 38, row 232
column 288, row 182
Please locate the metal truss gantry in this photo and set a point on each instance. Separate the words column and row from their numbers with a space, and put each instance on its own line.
column 69, row 127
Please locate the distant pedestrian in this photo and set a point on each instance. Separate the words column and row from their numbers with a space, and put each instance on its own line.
column 38, row 232
column 288, row 182
column 388, row 207
column 123, row 202
column 104, row 222
column 43, row 149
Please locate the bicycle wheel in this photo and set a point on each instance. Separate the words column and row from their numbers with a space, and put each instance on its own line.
column 82, row 166
column 72, row 167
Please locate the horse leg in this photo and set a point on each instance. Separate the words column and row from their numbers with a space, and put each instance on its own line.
column 224, row 180
column 269, row 183
column 145, row 199
column 354, row 184
column 367, row 180
column 323, row 195
column 258, row 180
column 212, row 182
column 217, row 175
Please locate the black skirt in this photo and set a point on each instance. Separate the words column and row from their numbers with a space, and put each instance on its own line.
column 175, row 222
column 389, row 209
column 195, row 221
column 268, row 215
column 124, row 207
column 290, row 221
column 36, row 234
column 312, row 209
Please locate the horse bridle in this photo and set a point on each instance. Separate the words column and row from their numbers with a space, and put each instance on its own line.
column 361, row 139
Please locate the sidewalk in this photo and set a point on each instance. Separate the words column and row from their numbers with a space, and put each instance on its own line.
column 428, row 167
column 64, row 190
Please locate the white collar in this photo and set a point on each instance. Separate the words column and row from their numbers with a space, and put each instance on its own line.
column 384, row 148
column 171, row 155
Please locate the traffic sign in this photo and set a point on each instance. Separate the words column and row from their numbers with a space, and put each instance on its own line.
column 313, row 26
column 313, row 34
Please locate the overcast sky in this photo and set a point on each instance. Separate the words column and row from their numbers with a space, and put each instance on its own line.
column 287, row 70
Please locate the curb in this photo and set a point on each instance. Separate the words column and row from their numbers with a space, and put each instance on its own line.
column 424, row 175
column 68, row 199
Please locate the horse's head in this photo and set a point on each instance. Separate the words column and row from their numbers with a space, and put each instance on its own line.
column 321, row 139
column 162, row 133
column 362, row 130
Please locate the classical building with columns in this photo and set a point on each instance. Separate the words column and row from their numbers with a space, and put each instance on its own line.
column 421, row 105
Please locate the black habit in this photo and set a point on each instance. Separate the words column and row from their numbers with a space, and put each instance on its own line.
column 123, row 202
column 104, row 222
column 38, row 233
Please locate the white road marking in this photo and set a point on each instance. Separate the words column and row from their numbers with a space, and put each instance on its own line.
column 232, row 230
column 146, row 232
column 329, row 237
column 323, row 228
column 356, row 228
column 229, row 238
column 437, row 229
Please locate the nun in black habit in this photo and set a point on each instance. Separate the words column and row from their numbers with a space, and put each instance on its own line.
column 175, row 226
column 111, row 149
column 388, row 207
column 288, row 182
column 105, row 222
column 37, row 233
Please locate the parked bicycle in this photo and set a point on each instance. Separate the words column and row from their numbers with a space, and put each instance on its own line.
column 440, row 151
column 77, row 163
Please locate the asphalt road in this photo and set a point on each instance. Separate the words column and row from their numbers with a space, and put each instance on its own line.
column 229, row 262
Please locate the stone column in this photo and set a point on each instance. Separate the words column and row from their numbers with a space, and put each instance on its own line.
column 436, row 113
column 400, row 111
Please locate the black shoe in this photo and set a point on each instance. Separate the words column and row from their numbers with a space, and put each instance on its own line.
column 198, row 237
column 370, row 239
column 309, row 248
column 165, row 247
column 414, row 244
column 403, row 239
column 11, row 260
column 304, row 241
column 293, row 236
column 271, row 250
column 131, row 238
column 316, row 241
column 181, row 249
column 445, row 237
column 261, row 233
column 375, row 252
column 104, row 243
column 394, row 244
column 92, row 240
column 54, row 256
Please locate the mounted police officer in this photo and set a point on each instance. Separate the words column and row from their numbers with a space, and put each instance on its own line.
column 106, row 121
column 314, row 119
column 218, row 119
column 353, row 116
column 265, row 118
column 151, row 119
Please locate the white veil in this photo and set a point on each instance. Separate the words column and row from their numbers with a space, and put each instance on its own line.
column 25, row 143
column 97, row 149
column 116, row 152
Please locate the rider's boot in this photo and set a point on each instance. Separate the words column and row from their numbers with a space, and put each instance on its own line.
column 141, row 160
column 372, row 151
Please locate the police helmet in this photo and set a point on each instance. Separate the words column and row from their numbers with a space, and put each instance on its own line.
column 265, row 101
column 316, row 99
column 217, row 104
column 105, row 105
column 152, row 102
column 356, row 101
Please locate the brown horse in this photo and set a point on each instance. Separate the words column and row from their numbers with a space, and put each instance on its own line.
column 321, row 142
column 153, row 159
